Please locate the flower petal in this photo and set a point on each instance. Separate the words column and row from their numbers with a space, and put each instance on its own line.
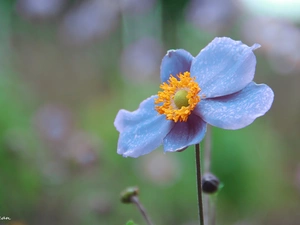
column 224, row 67
column 141, row 131
column 237, row 110
column 185, row 134
column 174, row 62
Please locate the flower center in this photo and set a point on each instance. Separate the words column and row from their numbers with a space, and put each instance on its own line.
column 178, row 98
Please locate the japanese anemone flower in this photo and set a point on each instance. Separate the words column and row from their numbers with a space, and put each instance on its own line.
column 215, row 88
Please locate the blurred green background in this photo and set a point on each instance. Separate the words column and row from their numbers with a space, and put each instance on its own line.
column 68, row 66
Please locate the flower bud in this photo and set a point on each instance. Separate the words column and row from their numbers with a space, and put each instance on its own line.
column 210, row 183
column 128, row 193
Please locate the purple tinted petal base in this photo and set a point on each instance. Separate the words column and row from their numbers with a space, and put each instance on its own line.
column 237, row 110
column 224, row 67
column 175, row 62
column 141, row 131
column 185, row 134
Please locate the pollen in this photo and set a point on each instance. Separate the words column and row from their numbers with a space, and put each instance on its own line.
column 178, row 98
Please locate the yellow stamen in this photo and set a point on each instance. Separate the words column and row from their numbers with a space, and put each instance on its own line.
column 173, row 109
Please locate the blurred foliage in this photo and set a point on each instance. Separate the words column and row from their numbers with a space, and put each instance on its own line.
column 130, row 223
column 58, row 102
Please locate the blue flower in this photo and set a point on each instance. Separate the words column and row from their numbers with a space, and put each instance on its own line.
column 215, row 88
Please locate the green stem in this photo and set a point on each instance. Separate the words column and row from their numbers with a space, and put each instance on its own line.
column 210, row 201
column 207, row 149
column 207, row 156
column 213, row 210
column 199, row 184
column 135, row 200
